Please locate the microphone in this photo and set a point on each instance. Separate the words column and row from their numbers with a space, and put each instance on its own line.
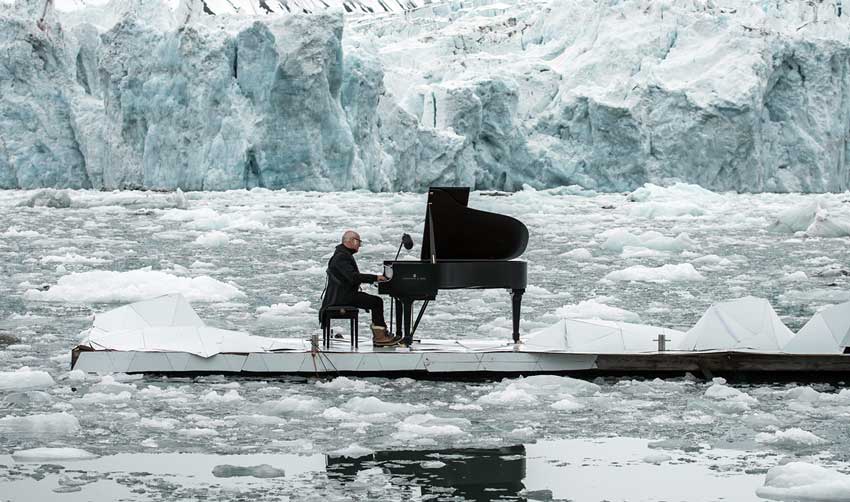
column 407, row 242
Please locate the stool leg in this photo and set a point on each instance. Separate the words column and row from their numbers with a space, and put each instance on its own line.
column 356, row 334
column 353, row 334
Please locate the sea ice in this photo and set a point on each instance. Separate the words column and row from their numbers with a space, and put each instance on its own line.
column 263, row 471
column 578, row 254
column 353, row 450
column 568, row 405
column 159, row 423
column 212, row 239
column 41, row 423
column 595, row 309
column 804, row 482
column 415, row 427
column 293, row 405
column 52, row 455
column 790, row 438
column 230, row 396
column 25, row 379
column 373, row 405
column 619, row 238
column 135, row 285
column 348, row 385
column 665, row 273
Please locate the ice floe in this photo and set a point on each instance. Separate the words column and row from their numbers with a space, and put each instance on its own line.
column 40, row 423
column 805, row 482
column 665, row 273
column 790, row 438
column 25, row 379
column 135, row 285
column 52, row 455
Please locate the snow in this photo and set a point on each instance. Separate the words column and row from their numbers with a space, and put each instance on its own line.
column 805, row 482
column 135, row 285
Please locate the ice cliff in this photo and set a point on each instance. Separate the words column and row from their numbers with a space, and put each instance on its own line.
column 207, row 95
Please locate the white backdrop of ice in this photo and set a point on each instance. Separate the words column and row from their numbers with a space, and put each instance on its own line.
column 606, row 95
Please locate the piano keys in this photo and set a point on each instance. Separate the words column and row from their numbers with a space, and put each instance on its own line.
column 461, row 248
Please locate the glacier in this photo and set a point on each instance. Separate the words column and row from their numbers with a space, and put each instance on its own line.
column 748, row 96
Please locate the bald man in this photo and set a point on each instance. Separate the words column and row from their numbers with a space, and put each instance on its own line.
column 344, row 280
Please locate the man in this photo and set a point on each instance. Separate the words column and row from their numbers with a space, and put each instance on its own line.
column 344, row 279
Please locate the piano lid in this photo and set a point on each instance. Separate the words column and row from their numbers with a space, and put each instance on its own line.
column 462, row 233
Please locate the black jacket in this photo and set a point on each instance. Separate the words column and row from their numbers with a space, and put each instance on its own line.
column 344, row 279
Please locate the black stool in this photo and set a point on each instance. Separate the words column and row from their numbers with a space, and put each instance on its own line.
column 341, row 312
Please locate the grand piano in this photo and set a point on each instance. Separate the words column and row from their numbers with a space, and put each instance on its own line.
column 461, row 248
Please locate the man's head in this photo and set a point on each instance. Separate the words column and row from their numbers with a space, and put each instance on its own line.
column 351, row 240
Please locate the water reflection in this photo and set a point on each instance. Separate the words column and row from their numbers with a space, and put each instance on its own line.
column 470, row 473
column 580, row 469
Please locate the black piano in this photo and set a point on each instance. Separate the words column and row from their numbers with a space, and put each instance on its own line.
column 461, row 248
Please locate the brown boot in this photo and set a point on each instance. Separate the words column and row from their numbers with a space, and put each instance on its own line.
column 380, row 338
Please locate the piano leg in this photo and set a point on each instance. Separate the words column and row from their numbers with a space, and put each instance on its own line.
column 516, row 302
column 408, row 310
column 399, row 327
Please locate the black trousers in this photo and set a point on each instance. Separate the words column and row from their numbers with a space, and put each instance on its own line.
column 375, row 304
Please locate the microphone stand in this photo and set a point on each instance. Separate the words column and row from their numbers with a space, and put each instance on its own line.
column 392, row 301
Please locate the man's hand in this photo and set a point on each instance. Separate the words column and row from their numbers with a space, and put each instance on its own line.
column 381, row 278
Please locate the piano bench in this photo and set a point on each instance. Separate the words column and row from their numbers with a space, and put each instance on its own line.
column 341, row 312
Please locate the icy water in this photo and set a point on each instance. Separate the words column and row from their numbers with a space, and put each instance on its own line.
column 255, row 261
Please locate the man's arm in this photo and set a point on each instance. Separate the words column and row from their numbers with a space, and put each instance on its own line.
column 347, row 268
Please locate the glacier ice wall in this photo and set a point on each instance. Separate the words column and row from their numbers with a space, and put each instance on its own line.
column 748, row 96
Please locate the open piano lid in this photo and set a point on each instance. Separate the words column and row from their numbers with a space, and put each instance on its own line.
column 462, row 233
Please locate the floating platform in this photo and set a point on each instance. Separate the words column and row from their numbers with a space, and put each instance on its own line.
column 448, row 359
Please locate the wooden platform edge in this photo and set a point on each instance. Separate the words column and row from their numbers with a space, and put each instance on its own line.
column 734, row 366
